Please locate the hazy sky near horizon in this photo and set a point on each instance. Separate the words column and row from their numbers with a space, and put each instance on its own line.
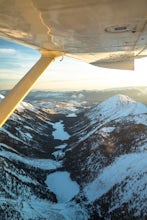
column 66, row 73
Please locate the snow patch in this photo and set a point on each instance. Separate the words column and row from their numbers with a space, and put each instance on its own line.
column 23, row 178
column 10, row 134
column 24, row 105
column 106, row 130
column 72, row 109
column 25, row 135
column 62, row 146
column 59, row 133
column 71, row 115
column 140, row 119
column 5, row 146
column 59, row 154
column 62, row 185
column 45, row 164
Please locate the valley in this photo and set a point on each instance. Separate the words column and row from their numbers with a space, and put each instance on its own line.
column 75, row 155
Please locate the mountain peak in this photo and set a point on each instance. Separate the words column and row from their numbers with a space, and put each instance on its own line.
column 121, row 98
column 115, row 107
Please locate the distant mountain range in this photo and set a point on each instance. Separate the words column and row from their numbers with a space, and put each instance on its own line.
column 65, row 157
column 91, row 97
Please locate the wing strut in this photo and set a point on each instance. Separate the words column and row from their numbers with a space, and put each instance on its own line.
column 17, row 94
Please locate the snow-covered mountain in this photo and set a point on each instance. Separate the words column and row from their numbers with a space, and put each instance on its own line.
column 116, row 107
column 75, row 164
column 109, row 159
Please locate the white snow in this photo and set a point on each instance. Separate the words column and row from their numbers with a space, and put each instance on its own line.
column 22, row 177
column 72, row 108
column 59, row 154
column 140, row 119
column 20, row 108
column 62, row 185
column 24, row 105
column 32, row 207
column 62, row 146
column 142, row 148
column 10, row 134
column 59, row 133
column 5, row 146
column 87, row 135
column 80, row 96
column 28, row 127
column 28, row 135
column 129, row 166
column 16, row 117
column 73, row 115
column 25, row 136
column 45, row 164
column 116, row 107
column 106, row 130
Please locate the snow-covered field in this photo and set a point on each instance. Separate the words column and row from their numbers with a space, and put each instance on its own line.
column 45, row 164
column 62, row 185
column 59, row 133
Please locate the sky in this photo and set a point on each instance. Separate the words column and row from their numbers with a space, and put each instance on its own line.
column 65, row 73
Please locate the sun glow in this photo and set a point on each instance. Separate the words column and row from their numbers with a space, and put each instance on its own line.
column 66, row 73
column 72, row 74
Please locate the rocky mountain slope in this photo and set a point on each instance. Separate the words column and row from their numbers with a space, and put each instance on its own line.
column 89, row 165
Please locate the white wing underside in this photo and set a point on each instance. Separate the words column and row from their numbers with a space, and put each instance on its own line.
column 107, row 33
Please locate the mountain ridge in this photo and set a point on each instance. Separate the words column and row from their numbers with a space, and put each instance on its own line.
column 120, row 105
column 97, row 160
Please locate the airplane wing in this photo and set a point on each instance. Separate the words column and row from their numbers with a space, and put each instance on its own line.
column 106, row 33
column 102, row 32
